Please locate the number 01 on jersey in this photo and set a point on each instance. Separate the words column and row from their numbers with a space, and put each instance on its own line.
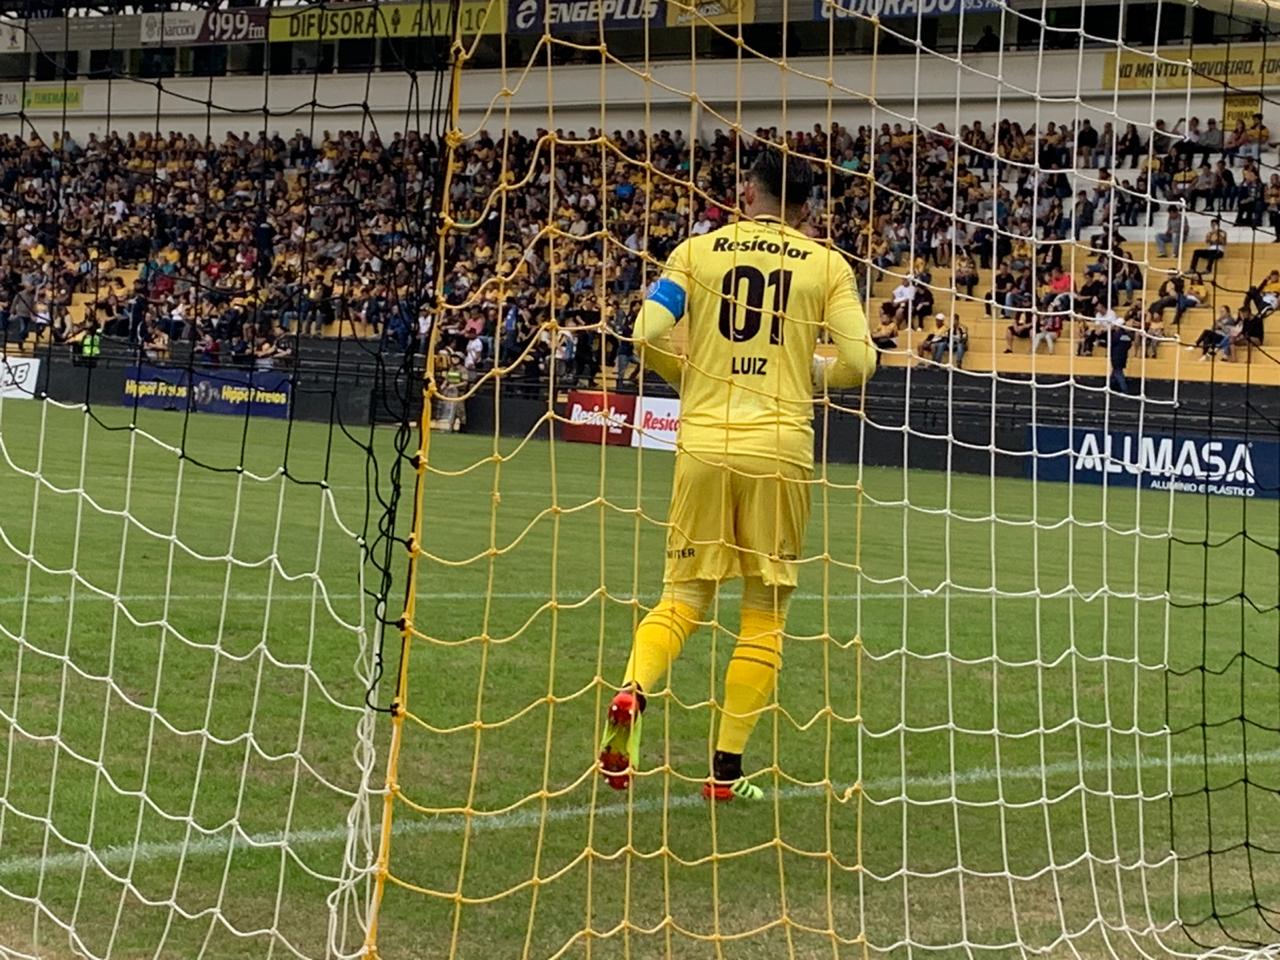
column 743, row 292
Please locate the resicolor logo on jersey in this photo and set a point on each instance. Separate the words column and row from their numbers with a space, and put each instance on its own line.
column 865, row 9
column 759, row 244
column 528, row 14
column 1227, row 467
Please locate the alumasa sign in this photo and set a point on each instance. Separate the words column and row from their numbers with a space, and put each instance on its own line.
column 1221, row 466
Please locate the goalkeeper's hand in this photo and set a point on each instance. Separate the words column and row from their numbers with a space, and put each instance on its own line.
column 837, row 373
column 820, row 372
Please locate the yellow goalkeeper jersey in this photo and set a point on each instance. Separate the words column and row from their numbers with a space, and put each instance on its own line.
column 755, row 297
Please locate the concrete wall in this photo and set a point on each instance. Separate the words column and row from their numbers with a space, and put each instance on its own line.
column 704, row 94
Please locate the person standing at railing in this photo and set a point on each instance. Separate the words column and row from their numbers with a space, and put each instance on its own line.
column 1119, row 340
column 1214, row 249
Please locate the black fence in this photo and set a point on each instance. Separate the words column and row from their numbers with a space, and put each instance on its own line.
column 926, row 418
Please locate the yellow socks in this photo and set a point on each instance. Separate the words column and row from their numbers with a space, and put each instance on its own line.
column 659, row 640
column 757, row 656
column 752, row 675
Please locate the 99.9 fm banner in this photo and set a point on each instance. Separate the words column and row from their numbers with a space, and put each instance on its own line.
column 260, row 393
column 196, row 28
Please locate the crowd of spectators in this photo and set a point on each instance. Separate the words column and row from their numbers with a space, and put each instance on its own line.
column 241, row 244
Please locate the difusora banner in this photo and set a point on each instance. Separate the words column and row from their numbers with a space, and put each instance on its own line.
column 428, row 18
column 262, row 393
column 592, row 417
column 1226, row 466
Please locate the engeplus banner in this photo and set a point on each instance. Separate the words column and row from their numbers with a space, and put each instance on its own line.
column 569, row 16
column 262, row 393
column 1224, row 466
column 887, row 9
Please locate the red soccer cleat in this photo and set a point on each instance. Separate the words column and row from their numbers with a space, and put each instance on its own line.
column 620, row 749
column 740, row 789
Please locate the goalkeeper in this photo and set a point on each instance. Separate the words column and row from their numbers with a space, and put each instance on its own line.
column 755, row 296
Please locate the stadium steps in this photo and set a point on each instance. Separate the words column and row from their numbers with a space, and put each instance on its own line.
column 1235, row 273
column 1243, row 265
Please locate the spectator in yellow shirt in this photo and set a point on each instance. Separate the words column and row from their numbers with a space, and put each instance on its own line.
column 1256, row 138
column 1266, row 295
column 1271, row 197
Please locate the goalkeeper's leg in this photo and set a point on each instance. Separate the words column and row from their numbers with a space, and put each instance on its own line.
column 659, row 639
column 749, row 685
column 771, row 501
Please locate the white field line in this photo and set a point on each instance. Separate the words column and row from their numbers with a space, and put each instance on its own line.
column 532, row 815
column 570, row 497
column 568, row 597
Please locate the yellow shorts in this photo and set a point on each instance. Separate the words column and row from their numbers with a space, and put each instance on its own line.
column 736, row 516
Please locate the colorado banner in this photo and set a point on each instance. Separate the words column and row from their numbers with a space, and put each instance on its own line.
column 1224, row 466
column 260, row 393
column 1240, row 67
column 887, row 9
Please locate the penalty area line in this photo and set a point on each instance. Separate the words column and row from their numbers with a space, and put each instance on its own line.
column 532, row 815
column 568, row 598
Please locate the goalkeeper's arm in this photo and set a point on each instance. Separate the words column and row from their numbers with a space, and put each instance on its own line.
column 855, row 360
column 664, row 306
column 653, row 336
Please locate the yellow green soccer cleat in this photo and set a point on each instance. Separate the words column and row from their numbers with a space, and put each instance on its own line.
column 620, row 749
column 740, row 789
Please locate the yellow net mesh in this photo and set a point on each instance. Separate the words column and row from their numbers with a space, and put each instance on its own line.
column 934, row 777
column 497, row 829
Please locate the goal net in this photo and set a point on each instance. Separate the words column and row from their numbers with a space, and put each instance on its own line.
column 334, row 489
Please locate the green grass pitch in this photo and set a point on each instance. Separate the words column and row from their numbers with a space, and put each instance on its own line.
column 1006, row 725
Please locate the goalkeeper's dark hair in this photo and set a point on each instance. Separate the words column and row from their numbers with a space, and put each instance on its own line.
column 783, row 175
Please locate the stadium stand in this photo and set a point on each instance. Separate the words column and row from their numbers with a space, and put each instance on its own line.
column 238, row 246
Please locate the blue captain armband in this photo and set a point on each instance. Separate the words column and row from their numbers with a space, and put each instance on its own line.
column 669, row 294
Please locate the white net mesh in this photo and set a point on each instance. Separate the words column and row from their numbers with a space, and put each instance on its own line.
column 187, row 745
column 1029, row 698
